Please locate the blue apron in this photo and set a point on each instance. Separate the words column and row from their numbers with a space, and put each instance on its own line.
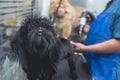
column 102, row 66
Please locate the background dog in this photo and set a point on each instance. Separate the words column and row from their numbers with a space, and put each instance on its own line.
column 40, row 50
column 67, row 16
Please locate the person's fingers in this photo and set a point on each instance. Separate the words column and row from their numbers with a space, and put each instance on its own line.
column 73, row 43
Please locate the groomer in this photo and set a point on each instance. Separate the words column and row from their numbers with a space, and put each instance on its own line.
column 102, row 49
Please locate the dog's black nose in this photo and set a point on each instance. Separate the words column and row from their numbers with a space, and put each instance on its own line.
column 40, row 30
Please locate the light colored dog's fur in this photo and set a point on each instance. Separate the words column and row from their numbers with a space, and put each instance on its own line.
column 67, row 16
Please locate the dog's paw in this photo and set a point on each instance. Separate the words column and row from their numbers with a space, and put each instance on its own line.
column 73, row 76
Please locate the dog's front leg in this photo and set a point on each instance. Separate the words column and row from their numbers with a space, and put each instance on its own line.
column 66, row 31
column 71, row 63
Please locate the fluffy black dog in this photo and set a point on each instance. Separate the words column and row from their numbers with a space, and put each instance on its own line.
column 40, row 51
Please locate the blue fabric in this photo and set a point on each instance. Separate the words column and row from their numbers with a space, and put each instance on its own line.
column 103, row 66
column 114, row 8
column 116, row 27
column 118, row 72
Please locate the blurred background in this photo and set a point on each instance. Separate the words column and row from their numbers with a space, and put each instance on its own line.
column 12, row 13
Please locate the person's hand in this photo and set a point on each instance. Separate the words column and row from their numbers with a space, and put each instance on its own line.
column 77, row 46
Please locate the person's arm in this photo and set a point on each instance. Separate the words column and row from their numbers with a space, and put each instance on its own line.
column 109, row 46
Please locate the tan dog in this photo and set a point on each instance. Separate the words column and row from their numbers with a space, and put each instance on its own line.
column 67, row 17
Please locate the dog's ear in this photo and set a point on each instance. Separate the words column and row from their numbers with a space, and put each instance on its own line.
column 52, row 1
column 16, row 46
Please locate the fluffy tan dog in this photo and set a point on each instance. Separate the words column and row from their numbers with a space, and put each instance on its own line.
column 67, row 17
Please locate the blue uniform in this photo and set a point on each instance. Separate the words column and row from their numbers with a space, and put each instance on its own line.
column 103, row 66
column 116, row 28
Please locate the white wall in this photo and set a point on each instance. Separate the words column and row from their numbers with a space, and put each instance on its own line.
column 96, row 6
column 81, row 3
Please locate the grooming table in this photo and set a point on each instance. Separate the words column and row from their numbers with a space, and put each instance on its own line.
column 82, row 69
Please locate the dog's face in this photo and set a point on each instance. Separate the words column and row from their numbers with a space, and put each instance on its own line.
column 38, row 37
column 41, row 38
column 62, row 10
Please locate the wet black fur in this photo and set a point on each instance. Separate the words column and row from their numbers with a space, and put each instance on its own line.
column 39, row 50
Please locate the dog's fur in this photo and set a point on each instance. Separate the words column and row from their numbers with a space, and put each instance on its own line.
column 67, row 16
column 40, row 50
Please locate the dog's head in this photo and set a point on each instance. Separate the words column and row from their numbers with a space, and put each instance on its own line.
column 62, row 10
column 41, row 39
column 36, row 37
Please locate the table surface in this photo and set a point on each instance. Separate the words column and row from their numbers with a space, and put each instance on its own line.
column 82, row 69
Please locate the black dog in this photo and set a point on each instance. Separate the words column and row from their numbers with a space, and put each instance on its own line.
column 40, row 51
